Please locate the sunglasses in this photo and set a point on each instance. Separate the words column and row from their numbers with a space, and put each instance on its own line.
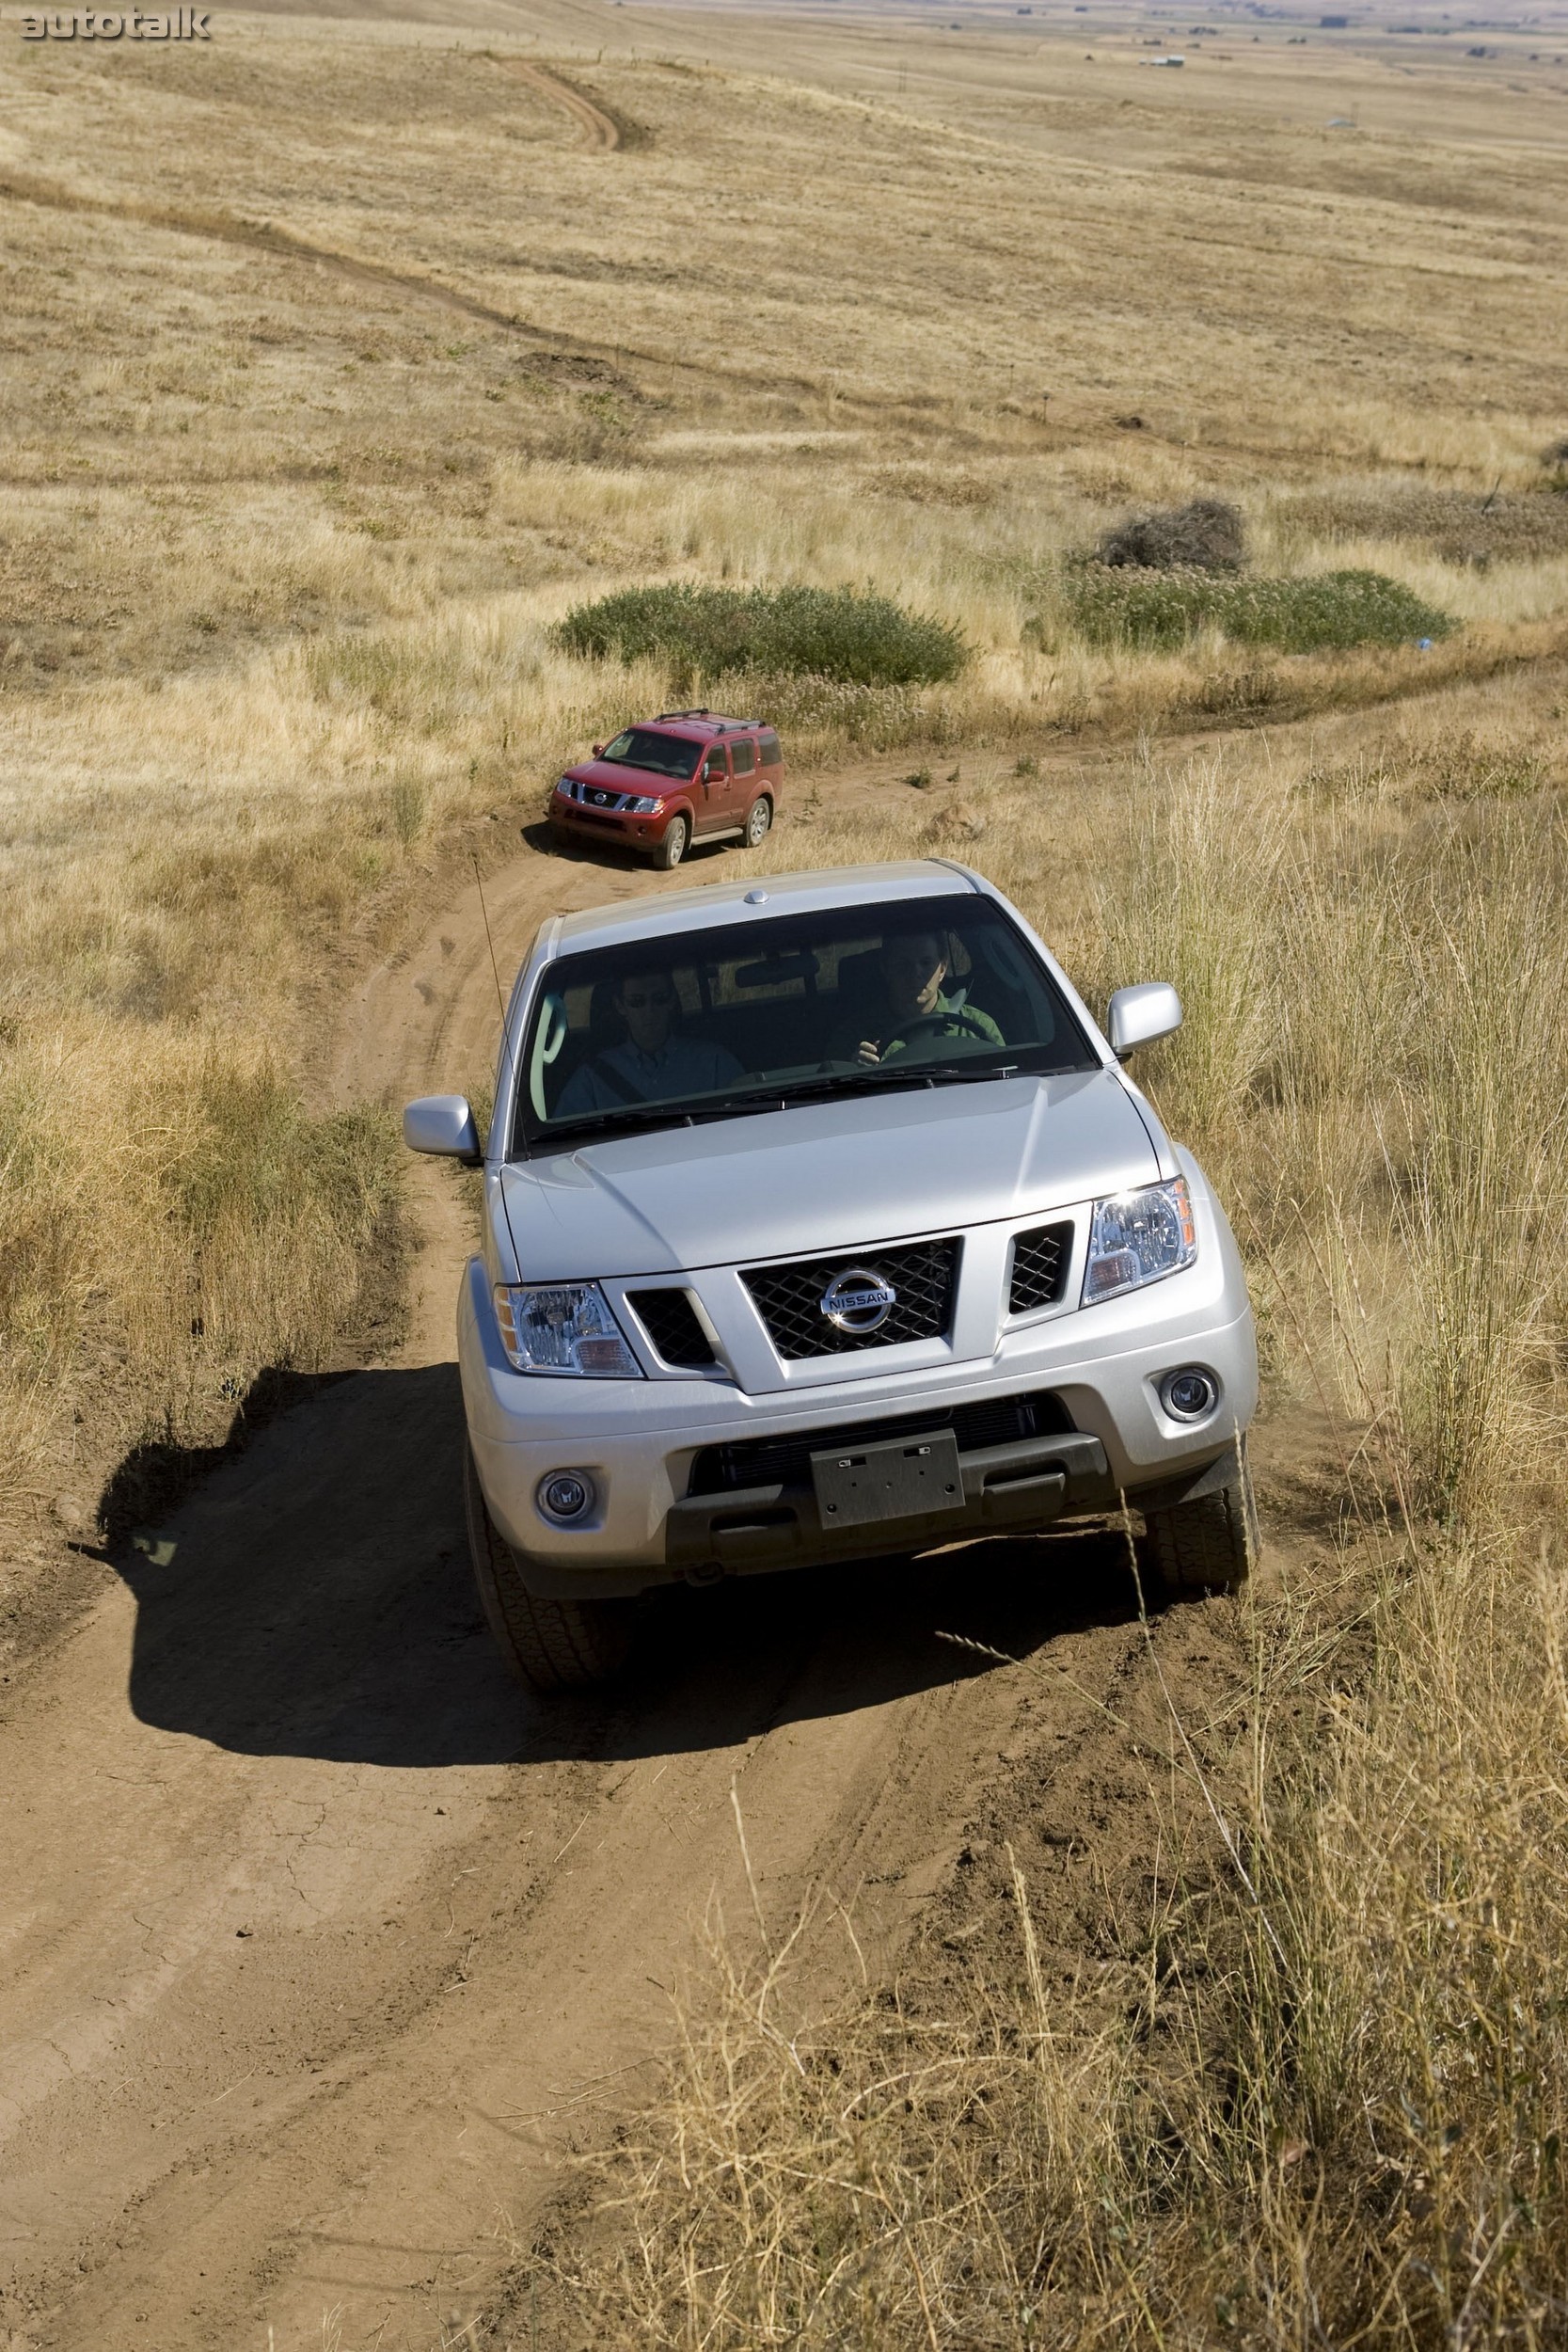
column 659, row 1001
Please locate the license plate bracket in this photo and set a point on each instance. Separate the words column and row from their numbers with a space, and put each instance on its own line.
column 902, row 1478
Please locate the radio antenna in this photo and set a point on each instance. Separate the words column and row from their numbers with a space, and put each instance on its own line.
column 489, row 940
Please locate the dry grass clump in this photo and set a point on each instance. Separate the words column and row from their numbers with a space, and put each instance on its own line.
column 1460, row 526
column 1206, row 535
column 867, row 2180
column 171, row 1221
column 1465, row 764
column 1375, row 1044
column 1319, row 2096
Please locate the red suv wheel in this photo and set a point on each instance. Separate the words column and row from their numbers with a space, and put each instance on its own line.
column 677, row 833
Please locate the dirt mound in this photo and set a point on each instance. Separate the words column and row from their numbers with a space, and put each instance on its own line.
column 1208, row 535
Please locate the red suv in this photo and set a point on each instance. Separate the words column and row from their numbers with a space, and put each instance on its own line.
column 687, row 776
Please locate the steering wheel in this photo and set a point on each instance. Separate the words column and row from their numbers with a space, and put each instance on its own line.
column 938, row 1021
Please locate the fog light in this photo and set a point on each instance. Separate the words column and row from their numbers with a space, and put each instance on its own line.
column 565, row 1495
column 1190, row 1394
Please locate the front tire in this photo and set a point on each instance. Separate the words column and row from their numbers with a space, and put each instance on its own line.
column 1208, row 1545
column 757, row 821
column 549, row 1644
column 673, row 846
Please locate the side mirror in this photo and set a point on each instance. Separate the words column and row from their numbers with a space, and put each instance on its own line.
column 443, row 1124
column 597, row 749
column 1138, row 1015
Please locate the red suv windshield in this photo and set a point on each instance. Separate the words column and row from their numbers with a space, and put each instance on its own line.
column 663, row 754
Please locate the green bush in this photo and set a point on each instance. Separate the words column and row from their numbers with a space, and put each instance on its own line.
column 851, row 637
column 1159, row 611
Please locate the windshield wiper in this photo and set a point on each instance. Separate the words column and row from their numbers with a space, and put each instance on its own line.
column 624, row 1115
column 850, row 1082
column 769, row 1095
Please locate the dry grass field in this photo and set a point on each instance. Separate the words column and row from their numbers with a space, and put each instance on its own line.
column 342, row 356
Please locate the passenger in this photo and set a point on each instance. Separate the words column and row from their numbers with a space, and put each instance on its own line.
column 651, row 1064
column 914, row 1015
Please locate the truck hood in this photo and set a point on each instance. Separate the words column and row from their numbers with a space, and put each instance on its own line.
column 614, row 775
column 828, row 1176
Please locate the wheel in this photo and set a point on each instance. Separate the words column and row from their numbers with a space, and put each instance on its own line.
column 1206, row 1545
column 548, row 1645
column 938, row 1021
column 757, row 822
column 673, row 848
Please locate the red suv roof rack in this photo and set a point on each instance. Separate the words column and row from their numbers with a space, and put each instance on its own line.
column 720, row 726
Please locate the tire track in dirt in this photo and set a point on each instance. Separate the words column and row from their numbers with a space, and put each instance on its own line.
column 282, row 244
column 599, row 129
column 605, row 359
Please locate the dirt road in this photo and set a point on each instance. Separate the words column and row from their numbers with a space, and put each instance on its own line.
column 596, row 129
column 321, row 1940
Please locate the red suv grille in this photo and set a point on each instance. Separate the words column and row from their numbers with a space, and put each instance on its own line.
column 592, row 796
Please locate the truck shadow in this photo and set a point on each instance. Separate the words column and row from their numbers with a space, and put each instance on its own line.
column 541, row 836
column 314, row 1597
column 718, row 1667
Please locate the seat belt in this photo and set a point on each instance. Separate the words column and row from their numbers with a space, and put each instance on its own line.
column 613, row 1083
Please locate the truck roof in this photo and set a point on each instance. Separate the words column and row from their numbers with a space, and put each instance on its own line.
column 674, row 912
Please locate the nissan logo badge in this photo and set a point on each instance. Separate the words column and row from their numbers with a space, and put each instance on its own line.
column 858, row 1301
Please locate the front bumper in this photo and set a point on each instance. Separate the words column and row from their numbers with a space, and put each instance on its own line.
column 1005, row 1489
column 639, row 1441
column 611, row 828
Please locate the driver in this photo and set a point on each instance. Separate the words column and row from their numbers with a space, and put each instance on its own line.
column 915, row 1016
column 651, row 1064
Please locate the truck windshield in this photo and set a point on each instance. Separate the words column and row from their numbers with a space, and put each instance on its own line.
column 759, row 1015
column 663, row 754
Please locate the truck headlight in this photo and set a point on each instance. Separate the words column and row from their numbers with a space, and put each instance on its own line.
column 645, row 804
column 1139, row 1237
column 562, row 1328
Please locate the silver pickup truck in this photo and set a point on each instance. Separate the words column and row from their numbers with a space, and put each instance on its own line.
column 821, row 1222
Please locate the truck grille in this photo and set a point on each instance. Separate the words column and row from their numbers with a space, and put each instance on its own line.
column 598, row 796
column 670, row 1322
column 785, row 1460
column 789, row 1298
column 1039, row 1267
